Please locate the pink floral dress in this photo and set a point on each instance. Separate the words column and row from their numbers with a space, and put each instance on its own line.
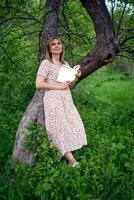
column 62, row 120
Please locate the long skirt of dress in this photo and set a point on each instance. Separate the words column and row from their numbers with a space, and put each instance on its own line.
column 63, row 122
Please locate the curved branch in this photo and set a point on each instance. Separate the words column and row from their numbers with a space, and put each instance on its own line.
column 107, row 45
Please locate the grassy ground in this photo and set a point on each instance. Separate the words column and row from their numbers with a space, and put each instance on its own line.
column 105, row 103
column 112, row 88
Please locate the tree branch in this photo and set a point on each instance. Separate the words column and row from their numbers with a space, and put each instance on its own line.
column 11, row 60
column 107, row 45
column 122, row 15
column 24, row 12
column 16, row 18
column 125, row 56
column 126, row 39
column 112, row 10
column 125, row 32
column 21, row 36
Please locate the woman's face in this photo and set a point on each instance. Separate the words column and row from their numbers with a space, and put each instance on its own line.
column 56, row 47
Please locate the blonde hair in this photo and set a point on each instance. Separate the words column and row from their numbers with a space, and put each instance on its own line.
column 48, row 53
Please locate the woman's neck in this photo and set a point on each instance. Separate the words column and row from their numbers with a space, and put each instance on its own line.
column 56, row 59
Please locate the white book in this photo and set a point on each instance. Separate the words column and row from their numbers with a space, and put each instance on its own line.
column 67, row 73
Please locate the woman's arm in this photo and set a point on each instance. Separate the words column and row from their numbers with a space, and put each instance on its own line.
column 41, row 84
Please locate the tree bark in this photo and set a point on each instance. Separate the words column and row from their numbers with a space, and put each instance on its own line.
column 107, row 45
column 104, row 52
column 35, row 110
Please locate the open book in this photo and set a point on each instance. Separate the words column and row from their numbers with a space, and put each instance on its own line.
column 67, row 73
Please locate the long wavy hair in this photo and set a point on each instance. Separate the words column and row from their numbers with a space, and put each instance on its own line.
column 49, row 54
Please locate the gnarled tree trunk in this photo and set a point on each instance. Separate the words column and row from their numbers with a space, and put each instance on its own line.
column 35, row 110
column 104, row 51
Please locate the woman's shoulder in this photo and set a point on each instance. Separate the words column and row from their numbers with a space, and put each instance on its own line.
column 46, row 61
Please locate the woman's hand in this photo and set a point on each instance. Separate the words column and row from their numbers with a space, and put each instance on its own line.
column 63, row 85
column 77, row 68
column 78, row 73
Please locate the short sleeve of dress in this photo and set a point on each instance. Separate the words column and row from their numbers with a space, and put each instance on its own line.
column 43, row 69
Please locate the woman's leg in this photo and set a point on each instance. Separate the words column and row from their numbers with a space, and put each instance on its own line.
column 69, row 156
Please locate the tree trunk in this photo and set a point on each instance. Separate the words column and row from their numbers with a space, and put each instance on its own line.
column 35, row 110
column 104, row 51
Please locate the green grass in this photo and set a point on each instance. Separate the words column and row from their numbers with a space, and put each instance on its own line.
column 107, row 162
column 111, row 88
column 117, row 91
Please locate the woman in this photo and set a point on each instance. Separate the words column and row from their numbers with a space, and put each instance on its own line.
column 63, row 123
